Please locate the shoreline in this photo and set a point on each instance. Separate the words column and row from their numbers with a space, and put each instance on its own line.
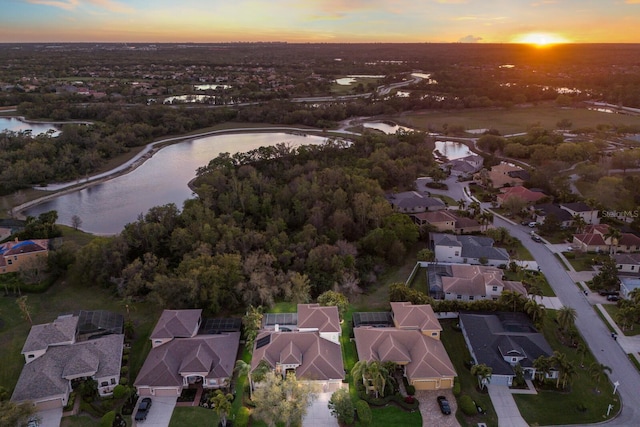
column 58, row 189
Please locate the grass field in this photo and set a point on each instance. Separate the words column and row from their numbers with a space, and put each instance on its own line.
column 512, row 120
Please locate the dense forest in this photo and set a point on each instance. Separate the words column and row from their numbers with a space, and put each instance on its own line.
column 275, row 223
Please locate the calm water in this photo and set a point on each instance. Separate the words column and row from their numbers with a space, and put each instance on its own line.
column 452, row 150
column 106, row 208
column 386, row 127
column 16, row 125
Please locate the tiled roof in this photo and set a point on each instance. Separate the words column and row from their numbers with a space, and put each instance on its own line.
column 522, row 192
column 591, row 239
column 633, row 259
column 577, row 207
column 176, row 324
column 420, row 317
column 320, row 358
column 325, row 319
column 61, row 330
column 25, row 246
column 213, row 354
column 427, row 357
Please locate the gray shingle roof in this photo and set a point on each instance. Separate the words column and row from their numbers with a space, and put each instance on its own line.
column 491, row 333
column 43, row 377
column 61, row 330
column 176, row 324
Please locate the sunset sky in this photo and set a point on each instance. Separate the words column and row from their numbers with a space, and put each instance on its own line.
column 484, row 21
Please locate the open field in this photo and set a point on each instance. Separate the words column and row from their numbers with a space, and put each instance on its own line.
column 512, row 120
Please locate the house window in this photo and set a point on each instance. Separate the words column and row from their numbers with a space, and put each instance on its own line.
column 434, row 334
column 31, row 356
column 458, row 296
column 104, row 383
column 213, row 381
column 514, row 359
column 9, row 261
column 113, row 381
column 471, row 297
column 494, row 288
column 15, row 257
column 457, row 253
column 157, row 342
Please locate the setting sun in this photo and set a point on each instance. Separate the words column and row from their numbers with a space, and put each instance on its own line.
column 541, row 39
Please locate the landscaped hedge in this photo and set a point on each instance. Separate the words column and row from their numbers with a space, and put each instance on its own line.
column 456, row 387
column 364, row 412
column 392, row 399
column 108, row 419
column 466, row 405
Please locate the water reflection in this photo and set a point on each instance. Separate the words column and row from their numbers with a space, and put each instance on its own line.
column 14, row 124
column 107, row 207
column 452, row 150
column 350, row 79
column 387, row 127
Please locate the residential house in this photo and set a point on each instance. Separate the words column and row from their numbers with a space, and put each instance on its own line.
column 16, row 253
column 451, row 248
column 446, row 220
column 464, row 282
column 9, row 226
column 503, row 340
column 412, row 341
column 55, row 357
column 306, row 343
column 628, row 285
column 188, row 350
column 589, row 215
column 467, row 165
column 506, row 174
column 594, row 240
column 529, row 197
column 543, row 211
column 627, row 263
column 413, row 202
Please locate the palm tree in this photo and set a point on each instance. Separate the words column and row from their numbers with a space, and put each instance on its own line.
column 243, row 369
column 462, row 204
column 567, row 317
column 512, row 299
column 626, row 316
column 374, row 375
column 475, row 208
column 222, row 404
column 634, row 295
column 567, row 374
column 579, row 223
column 535, row 291
column 612, row 236
column 486, row 218
column 597, row 372
column 543, row 367
column 483, row 373
column 582, row 350
column 535, row 311
column 561, row 362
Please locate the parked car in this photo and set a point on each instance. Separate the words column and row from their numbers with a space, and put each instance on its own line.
column 444, row 405
column 613, row 298
column 536, row 238
column 606, row 292
column 533, row 224
column 143, row 409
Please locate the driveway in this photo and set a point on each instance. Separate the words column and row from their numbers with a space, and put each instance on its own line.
column 318, row 414
column 505, row 406
column 160, row 412
column 430, row 410
column 50, row 417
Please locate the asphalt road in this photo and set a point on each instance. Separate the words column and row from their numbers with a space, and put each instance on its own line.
column 593, row 330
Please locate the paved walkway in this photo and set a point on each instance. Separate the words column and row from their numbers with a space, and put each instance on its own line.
column 630, row 345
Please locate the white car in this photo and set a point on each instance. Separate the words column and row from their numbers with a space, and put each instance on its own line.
column 533, row 224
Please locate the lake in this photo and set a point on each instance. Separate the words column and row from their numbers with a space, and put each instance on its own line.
column 387, row 127
column 14, row 124
column 107, row 207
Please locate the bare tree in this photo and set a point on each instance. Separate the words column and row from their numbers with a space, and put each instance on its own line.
column 76, row 222
column 24, row 308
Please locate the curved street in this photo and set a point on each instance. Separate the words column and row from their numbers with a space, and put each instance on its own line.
column 589, row 324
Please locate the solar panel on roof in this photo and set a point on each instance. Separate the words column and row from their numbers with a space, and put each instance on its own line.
column 263, row 341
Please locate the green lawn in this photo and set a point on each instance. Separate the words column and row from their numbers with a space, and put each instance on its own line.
column 512, row 120
column 193, row 416
column 612, row 309
column 81, row 421
column 457, row 349
column 562, row 407
column 583, row 261
column 392, row 416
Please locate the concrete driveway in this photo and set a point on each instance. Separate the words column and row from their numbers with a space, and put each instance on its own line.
column 159, row 414
column 318, row 414
column 430, row 410
column 50, row 417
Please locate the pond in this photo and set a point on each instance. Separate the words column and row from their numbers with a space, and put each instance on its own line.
column 452, row 149
column 350, row 79
column 107, row 207
column 15, row 124
column 387, row 127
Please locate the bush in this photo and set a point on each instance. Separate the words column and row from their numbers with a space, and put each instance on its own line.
column 108, row 419
column 125, row 359
column 411, row 390
column 70, row 402
column 409, row 399
column 456, row 387
column 364, row 412
column 124, row 381
column 466, row 405
column 120, row 391
column 124, row 370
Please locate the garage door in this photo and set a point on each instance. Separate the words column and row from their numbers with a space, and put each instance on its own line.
column 161, row 392
column 49, row 404
column 425, row 385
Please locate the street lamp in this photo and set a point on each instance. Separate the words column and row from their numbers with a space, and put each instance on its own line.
column 615, row 386
column 609, row 408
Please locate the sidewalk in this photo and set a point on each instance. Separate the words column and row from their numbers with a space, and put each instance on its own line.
column 630, row 345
